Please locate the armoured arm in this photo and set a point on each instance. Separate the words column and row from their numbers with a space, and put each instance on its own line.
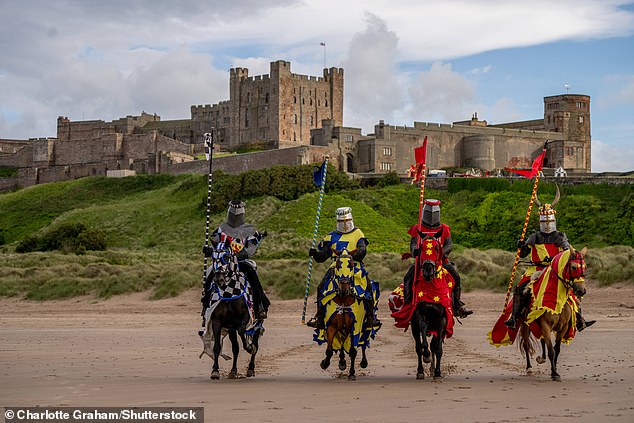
column 564, row 244
column 321, row 253
column 360, row 252
column 447, row 246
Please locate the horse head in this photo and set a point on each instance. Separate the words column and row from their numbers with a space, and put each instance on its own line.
column 574, row 271
column 224, row 262
column 430, row 255
column 344, row 273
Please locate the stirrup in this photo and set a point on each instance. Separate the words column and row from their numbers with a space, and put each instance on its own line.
column 510, row 322
column 464, row 312
column 315, row 323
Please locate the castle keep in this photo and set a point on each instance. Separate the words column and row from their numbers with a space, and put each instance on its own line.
column 296, row 119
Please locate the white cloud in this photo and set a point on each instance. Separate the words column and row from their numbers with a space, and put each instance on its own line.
column 441, row 94
column 608, row 158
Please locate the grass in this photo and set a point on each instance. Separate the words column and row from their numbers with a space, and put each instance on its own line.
column 155, row 228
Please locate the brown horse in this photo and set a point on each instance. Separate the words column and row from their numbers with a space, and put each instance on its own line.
column 340, row 327
column 564, row 275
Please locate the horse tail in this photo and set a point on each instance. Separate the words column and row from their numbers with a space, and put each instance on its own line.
column 528, row 342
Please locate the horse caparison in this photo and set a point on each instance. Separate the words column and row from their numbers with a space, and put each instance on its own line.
column 231, row 314
column 342, row 322
column 555, row 326
column 429, row 317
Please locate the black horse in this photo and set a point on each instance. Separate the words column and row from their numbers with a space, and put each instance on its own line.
column 430, row 317
column 230, row 311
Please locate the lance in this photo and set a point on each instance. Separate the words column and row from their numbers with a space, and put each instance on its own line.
column 421, row 171
column 536, row 168
column 208, row 139
column 322, row 186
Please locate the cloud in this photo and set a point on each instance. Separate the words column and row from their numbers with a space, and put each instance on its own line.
column 441, row 94
column 372, row 89
column 608, row 158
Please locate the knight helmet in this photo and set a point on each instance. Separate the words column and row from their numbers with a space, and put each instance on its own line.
column 235, row 213
column 547, row 221
column 431, row 213
column 344, row 220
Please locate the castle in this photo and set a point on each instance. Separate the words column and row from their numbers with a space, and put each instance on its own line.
column 295, row 119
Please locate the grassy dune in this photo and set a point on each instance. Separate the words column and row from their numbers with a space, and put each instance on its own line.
column 155, row 226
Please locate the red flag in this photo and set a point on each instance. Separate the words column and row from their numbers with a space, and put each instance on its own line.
column 538, row 163
column 420, row 154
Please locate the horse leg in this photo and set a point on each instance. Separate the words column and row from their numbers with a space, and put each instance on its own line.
column 342, row 360
column 542, row 358
column 256, row 339
column 548, row 337
column 418, row 334
column 364, row 361
column 216, row 328
column 436, row 347
column 526, row 346
column 330, row 334
column 353, row 355
column 235, row 349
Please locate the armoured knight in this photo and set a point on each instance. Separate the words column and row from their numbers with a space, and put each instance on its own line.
column 247, row 239
column 541, row 246
column 431, row 225
column 348, row 237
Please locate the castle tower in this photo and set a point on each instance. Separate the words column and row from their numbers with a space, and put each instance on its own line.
column 569, row 114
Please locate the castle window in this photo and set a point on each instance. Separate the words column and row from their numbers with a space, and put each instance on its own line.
column 580, row 119
column 385, row 166
column 311, row 102
column 318, row 103
column 311, row 121
column 266, row 98
column 387, row 151
column 248, row 98
column 295, row 99
column 294, row 136
column 295, row 118
column 348, row 138
column 246, row 119
column 326, row 103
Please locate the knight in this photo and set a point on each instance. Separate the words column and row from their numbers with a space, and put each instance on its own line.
column 244, row 239
column 431, row 225
column 541, row 246
column 346, row 236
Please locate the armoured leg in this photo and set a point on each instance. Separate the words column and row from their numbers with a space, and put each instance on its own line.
column 516, row 308
column 317, row 321
column 408, row 280
column 458, row 306
column 206, row 294
column 260, row 300
column 583, row 323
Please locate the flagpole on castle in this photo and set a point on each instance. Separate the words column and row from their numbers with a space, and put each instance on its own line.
column 322, row 170
column 535, row 171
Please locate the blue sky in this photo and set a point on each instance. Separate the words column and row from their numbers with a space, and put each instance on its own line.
column 404, row 61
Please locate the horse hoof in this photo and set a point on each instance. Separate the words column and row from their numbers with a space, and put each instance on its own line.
column 342, row 365
column 250, row 373
column 437, row 376
column 540, row 360
column 324, row 365
column 352, row 377
column 427, row 358
column 556, row 378
column 420, row 375
column 232, row 375
column 364, row 363
column 215, row 375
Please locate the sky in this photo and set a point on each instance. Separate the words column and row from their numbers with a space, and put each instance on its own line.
column 403, row 60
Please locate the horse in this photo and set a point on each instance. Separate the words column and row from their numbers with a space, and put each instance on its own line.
column 431, row 318
column 553, row 316
column 347, row 316
column 229, row 311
